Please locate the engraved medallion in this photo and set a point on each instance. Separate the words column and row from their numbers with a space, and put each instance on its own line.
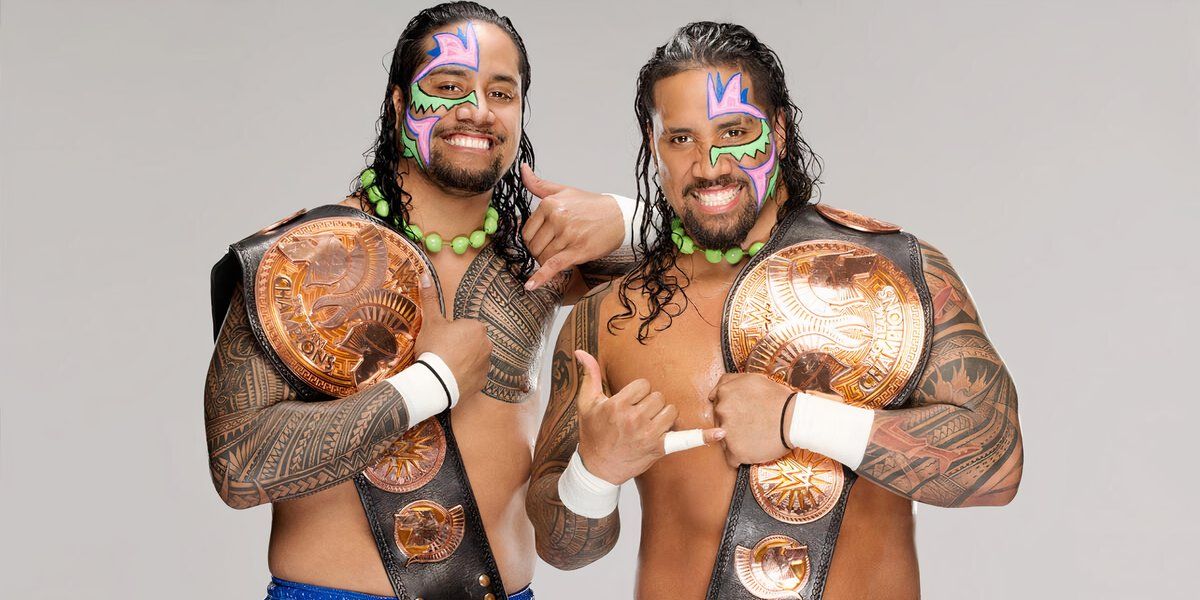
column 777, row 567
column 829, row 316
column 339, row 301
column 856, row 221
column 799, row 488
column 412, row 461
column 427, row 532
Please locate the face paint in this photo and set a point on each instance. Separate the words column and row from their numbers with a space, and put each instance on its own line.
column 461, row 49
column 729, row 98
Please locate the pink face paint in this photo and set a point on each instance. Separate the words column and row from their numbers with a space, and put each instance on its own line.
column 730, row 98
column 461, row 49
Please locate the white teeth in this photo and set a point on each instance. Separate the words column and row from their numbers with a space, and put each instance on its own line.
column 466, row 141
column 719, row 198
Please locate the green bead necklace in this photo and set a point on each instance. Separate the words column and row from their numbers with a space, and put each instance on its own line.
column 732, row 255
column 432, row 241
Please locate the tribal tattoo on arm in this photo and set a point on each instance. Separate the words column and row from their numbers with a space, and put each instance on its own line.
column 565, row 539
column 265, row 445
column 603, row 270
column 959, row 444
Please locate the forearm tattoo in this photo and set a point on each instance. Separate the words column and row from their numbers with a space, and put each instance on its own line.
column 606, row 269
column 265, row 445
column 959, row 443
column 565, row 539
column 517, row 321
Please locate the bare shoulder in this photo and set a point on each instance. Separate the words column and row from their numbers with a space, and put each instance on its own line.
column 947, row 291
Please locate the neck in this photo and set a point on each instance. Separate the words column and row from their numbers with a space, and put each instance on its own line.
column 434, row 208
column 698, row 268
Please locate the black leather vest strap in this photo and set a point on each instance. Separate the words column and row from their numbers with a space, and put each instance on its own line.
column 470, row 571
column 748, row 524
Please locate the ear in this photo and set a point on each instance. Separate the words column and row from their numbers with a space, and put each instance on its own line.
column 398, row 100
column 781, row 132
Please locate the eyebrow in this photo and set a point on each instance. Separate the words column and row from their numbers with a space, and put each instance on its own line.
column 505, row 78
column 735, row 121
column 454, row 71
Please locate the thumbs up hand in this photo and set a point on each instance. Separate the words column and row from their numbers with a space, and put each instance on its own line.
column 569, row 227
column 463, row 344
column 622, row 436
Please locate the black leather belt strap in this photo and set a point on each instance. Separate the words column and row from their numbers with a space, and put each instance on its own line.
column 470, row 572
column 747, row 523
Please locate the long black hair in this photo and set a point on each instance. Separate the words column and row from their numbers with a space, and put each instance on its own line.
column 697, row 45
column 510, row 198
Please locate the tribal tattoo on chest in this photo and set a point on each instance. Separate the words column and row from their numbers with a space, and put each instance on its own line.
column 517, row 320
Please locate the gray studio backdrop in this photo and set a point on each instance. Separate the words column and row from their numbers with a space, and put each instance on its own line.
column 1049, row 148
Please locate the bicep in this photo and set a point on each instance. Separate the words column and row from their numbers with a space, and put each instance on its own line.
column 963, row 369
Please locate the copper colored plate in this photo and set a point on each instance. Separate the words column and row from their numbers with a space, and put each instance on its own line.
column 426, row 531
column 801, row 487
column 412, row 461
column 339, row 301
column 828, row 316
column 856, row 221
column 777, row 567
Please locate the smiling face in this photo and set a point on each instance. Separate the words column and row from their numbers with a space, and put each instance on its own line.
column 715, row 152
column 462, row 120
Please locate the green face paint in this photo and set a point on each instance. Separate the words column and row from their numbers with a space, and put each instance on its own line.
column 460, row 48
column 422, row 102
column 759, row 144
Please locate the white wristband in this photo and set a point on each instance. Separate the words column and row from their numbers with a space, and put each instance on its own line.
column 629, row 209
column 585, row 494
column 829, row 427
column 421, row 385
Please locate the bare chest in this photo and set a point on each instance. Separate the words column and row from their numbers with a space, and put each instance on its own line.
column 517, row 321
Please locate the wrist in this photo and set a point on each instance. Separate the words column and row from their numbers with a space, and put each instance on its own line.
column 628, row 208
column 585, row 494
column 785, row 421
column 428, row 387
column 829, row 427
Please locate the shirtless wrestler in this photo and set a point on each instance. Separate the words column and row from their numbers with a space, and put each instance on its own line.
column 826, row 347
column 313, row 401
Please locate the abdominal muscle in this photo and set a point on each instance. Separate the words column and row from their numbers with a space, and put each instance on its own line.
column 324, row 539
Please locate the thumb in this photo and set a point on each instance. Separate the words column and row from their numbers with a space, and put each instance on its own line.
column 589, row 387
column 712, row 436
column 538, row 186
column 678, row 441
column 431, row 305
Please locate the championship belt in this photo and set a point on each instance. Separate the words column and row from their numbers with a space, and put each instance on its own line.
column 333, row 298
column 834, row 302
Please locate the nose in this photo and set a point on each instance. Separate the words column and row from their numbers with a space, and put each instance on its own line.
column 703, row 168
column 480, row 115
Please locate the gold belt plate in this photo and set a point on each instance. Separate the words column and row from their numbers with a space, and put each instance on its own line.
column 777, row 567
column 829, row 316
column 339, row 301
column 428, row 532
column 412, row 461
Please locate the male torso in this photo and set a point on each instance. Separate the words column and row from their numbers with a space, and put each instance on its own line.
column 324, row 539
column 685, row 497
